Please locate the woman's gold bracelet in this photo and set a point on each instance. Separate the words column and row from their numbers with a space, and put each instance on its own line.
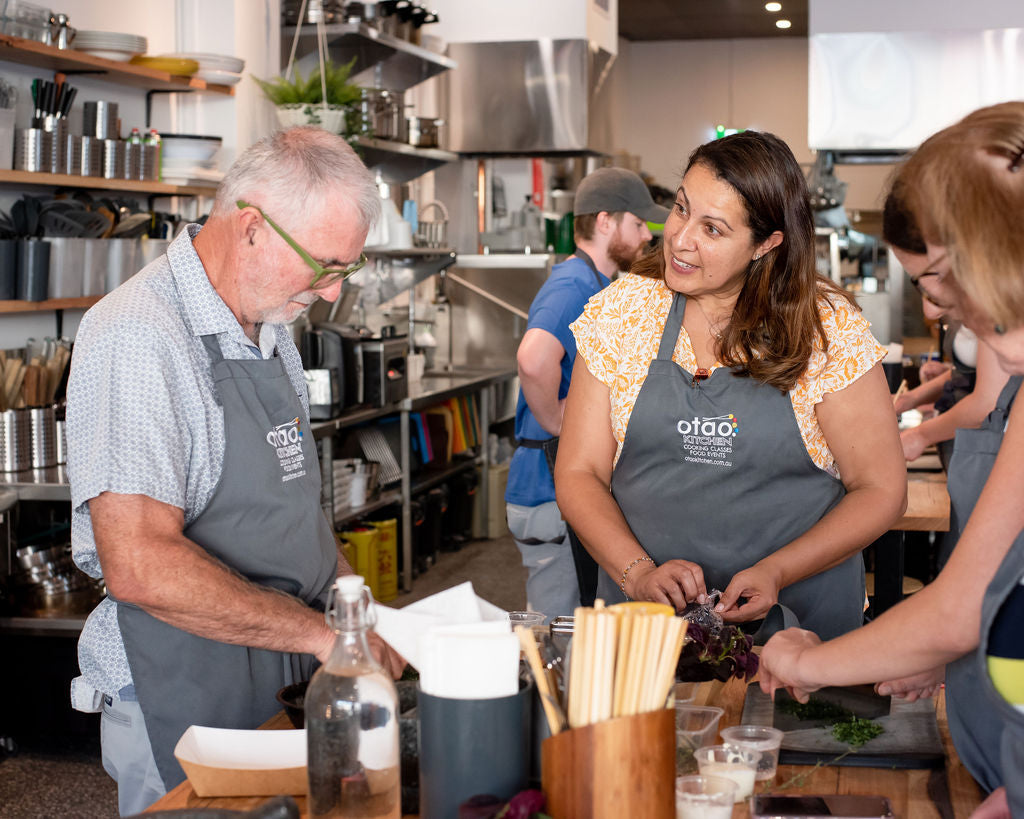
column 622, row 583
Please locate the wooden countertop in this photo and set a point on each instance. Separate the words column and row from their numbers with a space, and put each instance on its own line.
column 910, row 791
column 927, row 504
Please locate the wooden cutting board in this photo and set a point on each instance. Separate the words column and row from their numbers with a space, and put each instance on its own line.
column 910, row 740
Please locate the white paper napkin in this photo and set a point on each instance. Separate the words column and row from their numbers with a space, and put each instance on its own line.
column 462, row 645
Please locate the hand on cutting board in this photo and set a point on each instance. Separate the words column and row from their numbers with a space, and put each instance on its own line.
column 780, row 663
column 995, row 806
column 760, row 588
column 676, row 582
column 915, row 687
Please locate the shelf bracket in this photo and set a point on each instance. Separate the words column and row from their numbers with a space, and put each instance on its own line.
column 149, row 100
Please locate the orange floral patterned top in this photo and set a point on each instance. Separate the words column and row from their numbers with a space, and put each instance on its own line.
column 618, row 334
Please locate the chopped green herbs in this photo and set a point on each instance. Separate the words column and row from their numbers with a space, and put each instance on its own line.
column 846, row 726
column 855, row 731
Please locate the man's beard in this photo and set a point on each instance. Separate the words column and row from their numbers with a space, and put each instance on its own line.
column 622, row 253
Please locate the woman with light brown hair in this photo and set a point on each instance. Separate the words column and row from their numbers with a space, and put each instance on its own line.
column 728, row 424
column 965, row 187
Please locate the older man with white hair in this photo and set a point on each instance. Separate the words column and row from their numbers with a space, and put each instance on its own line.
column 194, row 477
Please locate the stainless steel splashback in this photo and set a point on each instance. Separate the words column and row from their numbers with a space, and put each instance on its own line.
column 537, row 97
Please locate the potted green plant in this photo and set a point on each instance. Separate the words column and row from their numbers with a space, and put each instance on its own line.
column 302, row 101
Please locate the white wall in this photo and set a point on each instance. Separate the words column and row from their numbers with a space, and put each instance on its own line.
column 672, row 94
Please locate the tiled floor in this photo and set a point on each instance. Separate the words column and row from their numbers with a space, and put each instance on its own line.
column 52, row 777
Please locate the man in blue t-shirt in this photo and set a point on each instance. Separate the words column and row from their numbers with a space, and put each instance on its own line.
column 612, row 208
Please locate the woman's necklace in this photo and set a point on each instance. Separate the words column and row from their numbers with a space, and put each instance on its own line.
column 717, row 328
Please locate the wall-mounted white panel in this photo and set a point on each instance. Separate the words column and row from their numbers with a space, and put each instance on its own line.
column 889, row 91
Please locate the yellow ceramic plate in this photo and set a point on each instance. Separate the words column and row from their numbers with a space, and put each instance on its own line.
column 645, row 607
column 171, row 65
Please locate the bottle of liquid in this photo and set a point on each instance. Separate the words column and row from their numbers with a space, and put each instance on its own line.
column 153, row 139
column 352, row 718
column 533, row 226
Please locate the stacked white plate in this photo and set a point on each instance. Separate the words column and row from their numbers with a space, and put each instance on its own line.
column 219, row 69
column 109, row 44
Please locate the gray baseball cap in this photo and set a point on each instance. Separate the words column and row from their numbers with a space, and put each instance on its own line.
column 615, row 190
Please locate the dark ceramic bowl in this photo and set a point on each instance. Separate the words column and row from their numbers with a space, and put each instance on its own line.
column 292, row 698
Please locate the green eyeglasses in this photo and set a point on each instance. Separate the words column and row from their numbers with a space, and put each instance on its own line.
column 325, row 276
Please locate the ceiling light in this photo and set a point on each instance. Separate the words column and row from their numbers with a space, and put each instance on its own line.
column 782, row 24
column 773, row 7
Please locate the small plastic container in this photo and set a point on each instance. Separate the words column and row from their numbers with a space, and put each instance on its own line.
column 696, row 726
column 684, row 691
column 760, row 739
column 704, row 797
column 729, row 762
column 530, row 619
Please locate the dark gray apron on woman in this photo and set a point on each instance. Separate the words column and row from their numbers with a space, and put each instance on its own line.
column 263, row 521
column 715, row 471
column 1011, row 747
column 975, row 725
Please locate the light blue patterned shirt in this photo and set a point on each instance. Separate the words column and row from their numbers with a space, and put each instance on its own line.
column 142, row 419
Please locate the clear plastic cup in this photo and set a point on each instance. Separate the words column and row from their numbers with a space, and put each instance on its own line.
column 696, row 726
column 760, row 739
column 530, row 619
column 704, row 797
column 729, row 762
column 684, row 691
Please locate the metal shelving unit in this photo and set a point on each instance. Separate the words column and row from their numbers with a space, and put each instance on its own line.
column 382, row 61
column 399, row 161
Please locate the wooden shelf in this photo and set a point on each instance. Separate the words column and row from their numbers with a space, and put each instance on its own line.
column 61, row 180
column 81, row 303
column 69, row 61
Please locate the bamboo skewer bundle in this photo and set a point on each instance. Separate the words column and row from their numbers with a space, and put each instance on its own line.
column 623, row 662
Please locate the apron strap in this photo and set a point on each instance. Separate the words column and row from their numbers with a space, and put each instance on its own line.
column 1005, row 401
column 673, row 324
column 593, row 267
column 213, row 348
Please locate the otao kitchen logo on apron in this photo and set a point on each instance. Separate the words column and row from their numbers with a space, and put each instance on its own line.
column 708, row 440
column 287, row 442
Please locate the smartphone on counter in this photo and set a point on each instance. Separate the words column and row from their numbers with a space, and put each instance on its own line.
column 766, row 806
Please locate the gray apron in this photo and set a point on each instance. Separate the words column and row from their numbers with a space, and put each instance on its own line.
column 263, row 521
column 715, row 471
column 974, row 723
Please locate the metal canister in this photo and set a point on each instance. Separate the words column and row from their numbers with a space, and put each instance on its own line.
column 91, row 156
column 73, row 155
column 113, row 159
column 32, row 149
column 132, row 168
column 15, row 440
column 44, row 437
column 61, row 440
column 99, row 119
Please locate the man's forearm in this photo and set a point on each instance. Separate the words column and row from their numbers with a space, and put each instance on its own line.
column 206, row 598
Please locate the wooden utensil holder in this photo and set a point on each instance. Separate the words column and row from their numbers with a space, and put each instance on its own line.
column 620, row 767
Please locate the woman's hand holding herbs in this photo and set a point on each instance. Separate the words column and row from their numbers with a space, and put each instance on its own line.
column 760, row 588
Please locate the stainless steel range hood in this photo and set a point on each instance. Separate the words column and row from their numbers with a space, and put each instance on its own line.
column 538, row 98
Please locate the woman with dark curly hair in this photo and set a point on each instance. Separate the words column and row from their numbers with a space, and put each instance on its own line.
column 728, row 424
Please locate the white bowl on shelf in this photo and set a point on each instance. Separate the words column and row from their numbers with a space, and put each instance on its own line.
column 189, row 146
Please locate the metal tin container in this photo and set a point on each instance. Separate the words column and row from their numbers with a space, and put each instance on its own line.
column 15, row 440
column 91, row 156
column 422, row 132
column 113, row 159
column 43, row 428
column 32, row 149
column 99, row 119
